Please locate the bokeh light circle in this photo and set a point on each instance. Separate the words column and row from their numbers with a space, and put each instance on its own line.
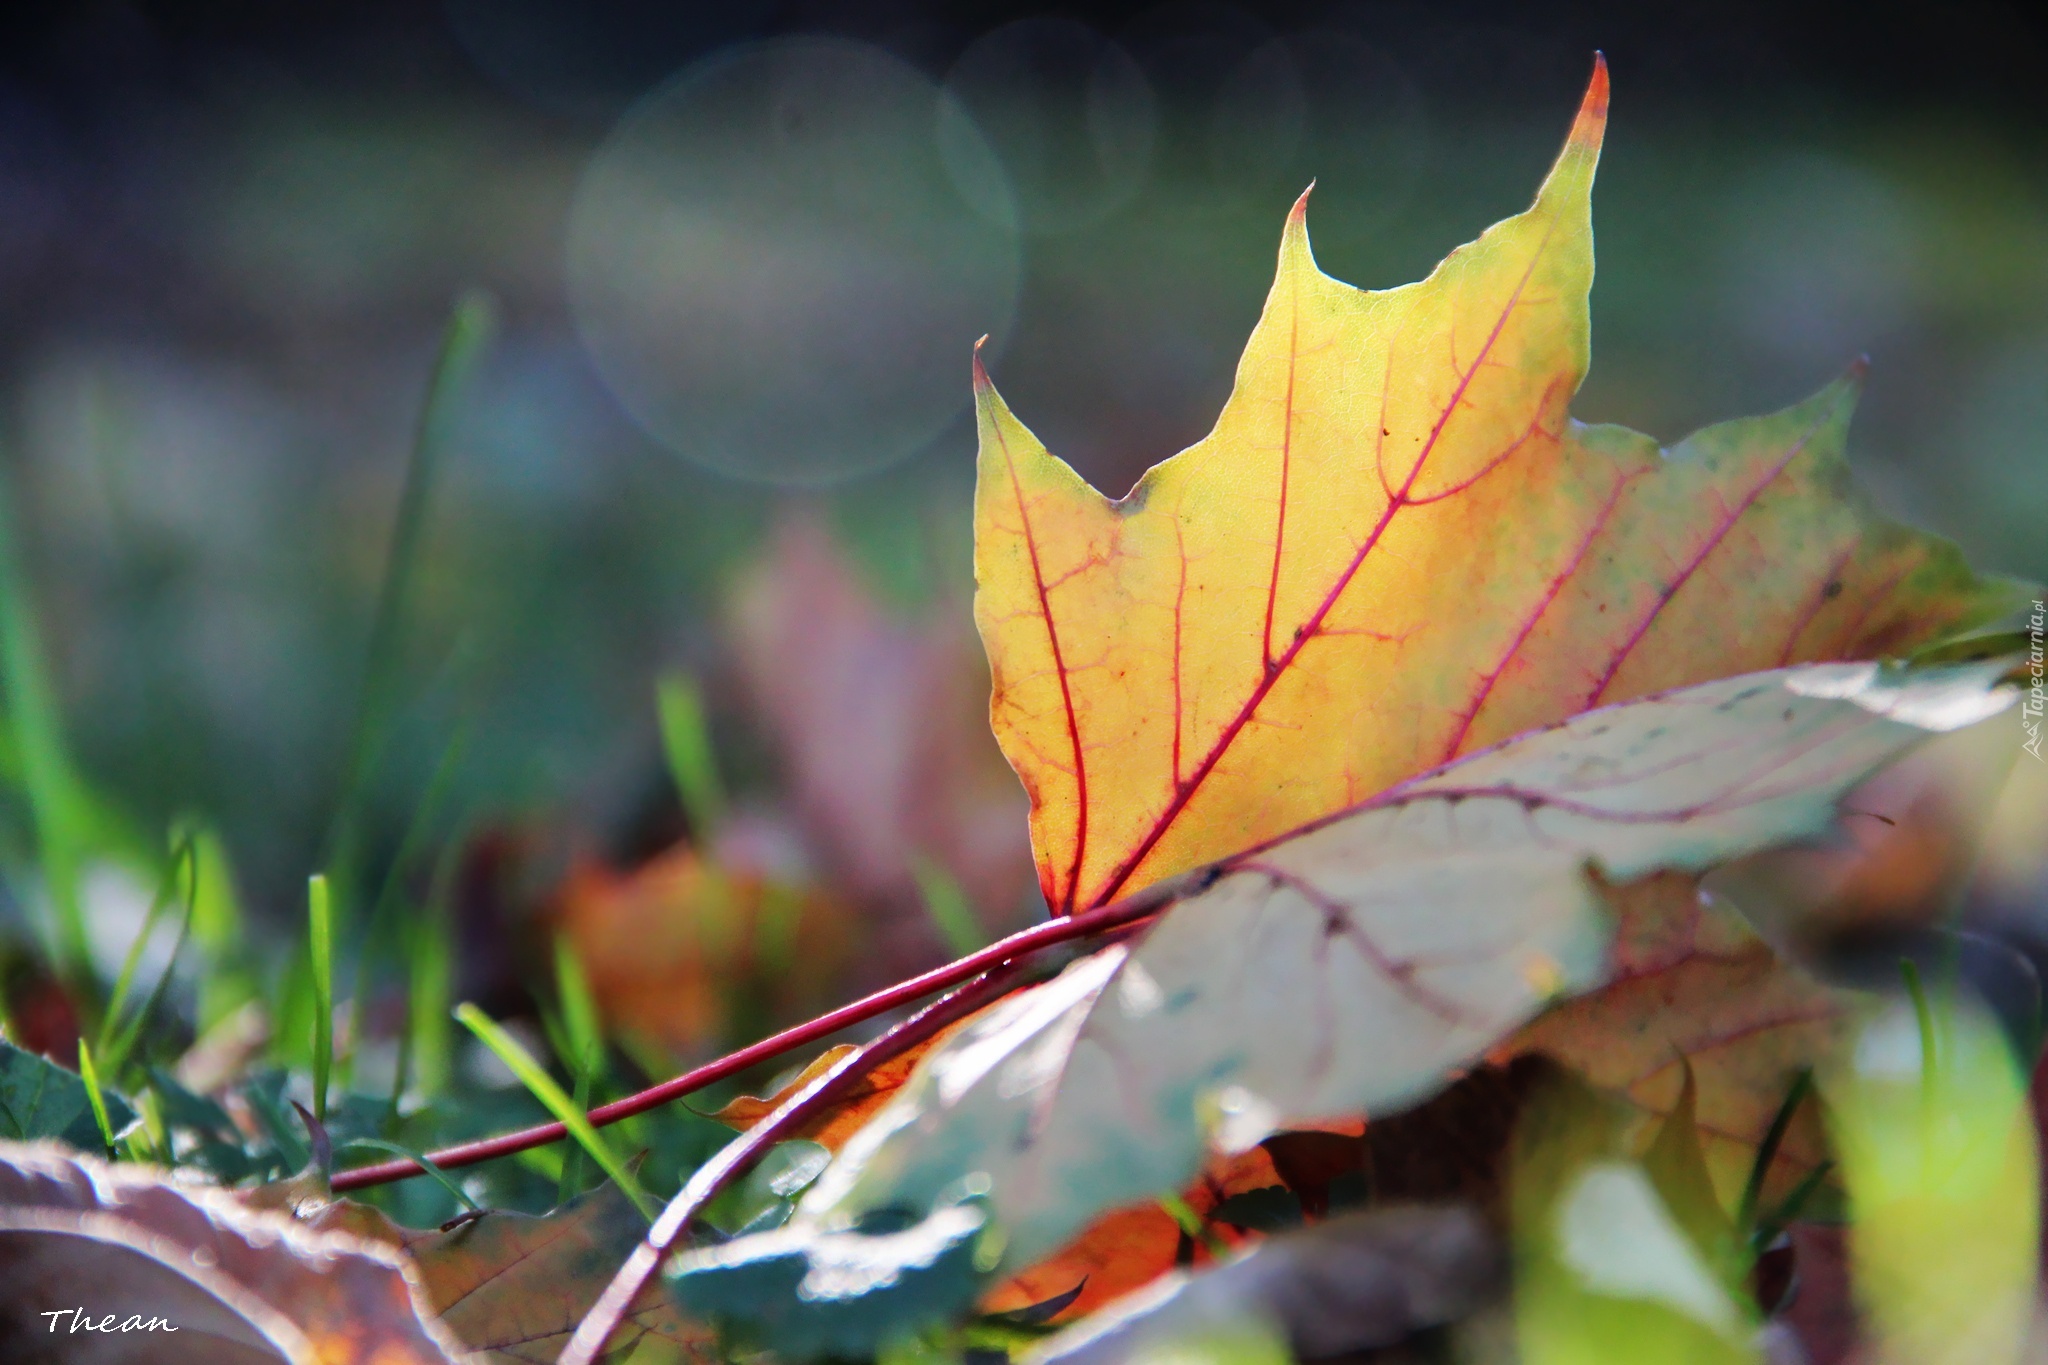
column 1069, row 114
column 773, row 270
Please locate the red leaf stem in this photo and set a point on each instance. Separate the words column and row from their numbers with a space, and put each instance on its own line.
column 1018, row 945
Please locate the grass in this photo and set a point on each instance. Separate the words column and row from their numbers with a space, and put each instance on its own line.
column 572, row 1116
column 320, row 938
column 58, row 805
column 115, row 1039
column 463, row 345
column 426, row 1047
column 686, row 740
column 97, row 1097
column 947, row 905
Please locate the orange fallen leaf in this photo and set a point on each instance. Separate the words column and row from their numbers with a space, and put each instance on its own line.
column 671, row 947
column 1129, row 1248
column 838, row 1123
column 845, row 1117
column 1445, row 1151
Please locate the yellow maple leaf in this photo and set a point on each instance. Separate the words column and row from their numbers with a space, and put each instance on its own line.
column 1395, row 548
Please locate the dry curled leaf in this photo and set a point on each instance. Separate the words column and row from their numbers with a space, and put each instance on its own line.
column 239, row 1285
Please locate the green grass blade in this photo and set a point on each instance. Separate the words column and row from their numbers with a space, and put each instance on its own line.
column 124, row 983
column 429, row 1045
column 686, row 739
column 426, row 813
column 58, row 806
column 320, row 942
column 582, row 1027
column 536, row 1079
column 217, row 927
column 572, row 1164
column 91, row 1075
column 124, row 1043
column 463, row 344
column 154, row 1136
column 947, row 905
column 1794, row 1204
column 1767, row 1151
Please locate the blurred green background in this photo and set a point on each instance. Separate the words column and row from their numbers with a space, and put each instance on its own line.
column 740, row 254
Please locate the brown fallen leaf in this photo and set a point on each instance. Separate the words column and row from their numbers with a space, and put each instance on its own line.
column 513, row 1286
column 1692, row 984
column 239, row 1285
column 881, row 726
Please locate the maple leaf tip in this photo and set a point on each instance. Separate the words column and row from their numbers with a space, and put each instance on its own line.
column 1591, row 122
column 1298, row 215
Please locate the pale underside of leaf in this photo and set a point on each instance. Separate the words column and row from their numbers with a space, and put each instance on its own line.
column 1352, row 966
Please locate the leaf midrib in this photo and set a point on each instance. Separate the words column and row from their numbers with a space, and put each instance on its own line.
column 1184, row 789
